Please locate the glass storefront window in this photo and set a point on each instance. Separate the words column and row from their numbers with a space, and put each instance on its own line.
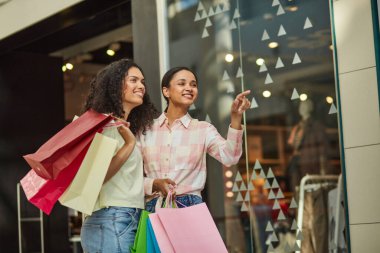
column 285, row 193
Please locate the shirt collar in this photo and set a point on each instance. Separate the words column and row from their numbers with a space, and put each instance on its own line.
column 185, row 120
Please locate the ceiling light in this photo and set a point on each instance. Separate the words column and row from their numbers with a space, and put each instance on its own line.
column 229, row 184
column 266, row 93
column 260, row 61
column 292, row 8
column 64, row 68
column 229, row 58
column 110, row 52
column 329, row 100
column 228, row 173
column 230, row 194
column 331, row 47
column 69, row 66
column 303, row 97
column 273, row 45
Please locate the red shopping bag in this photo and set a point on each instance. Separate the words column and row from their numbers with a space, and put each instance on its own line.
column 60, row 150
column 44, row 193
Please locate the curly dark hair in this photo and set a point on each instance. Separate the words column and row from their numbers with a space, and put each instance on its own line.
column 105, row 96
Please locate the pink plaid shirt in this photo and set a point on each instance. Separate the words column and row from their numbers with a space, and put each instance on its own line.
column 179, row 152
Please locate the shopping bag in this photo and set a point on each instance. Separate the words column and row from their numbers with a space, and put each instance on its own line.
column 151, row 241
column 60, row 150
column 161, row 236
column 140, row 244
column 83, row 191
column 44, row 193
column 191, row 229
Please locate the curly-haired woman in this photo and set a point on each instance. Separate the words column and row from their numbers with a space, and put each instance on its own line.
column 119, row 89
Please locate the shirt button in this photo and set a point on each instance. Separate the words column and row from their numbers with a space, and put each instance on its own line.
column 167, row 159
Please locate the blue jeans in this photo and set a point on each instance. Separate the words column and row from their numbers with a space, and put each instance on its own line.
column 110, row 229
column 185, row 200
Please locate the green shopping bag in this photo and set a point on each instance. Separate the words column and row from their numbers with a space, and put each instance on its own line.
column 139, row 245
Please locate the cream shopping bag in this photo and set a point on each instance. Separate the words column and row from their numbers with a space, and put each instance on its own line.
column 83, row 191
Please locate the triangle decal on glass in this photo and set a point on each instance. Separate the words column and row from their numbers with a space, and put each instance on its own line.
column 230, row 88
column 268, row 79
column 281, row 31
column 308, row 24
column 275, row 184
column 281, row 216
column 244, row 207
column 296, row 247
column 262, row 174
column 266, row 185
column 276, row 205
column 332, row 109
column 205, row 33
column 239, row 73
column 257, row 165
column 280, row 195
column 296, row 59
column 269, row 227
column 243, row 187
column 287, row 248
column 251, row 187
column 247, row 197
column 226, row 7
column 238, row 177
column 295, row 94
column 232, row 25
column 279, row 63
column 236, row 14
column 280, row 10
column 274, row 237
column 293, row 203
column 270, row 173
column 204, row 14
column 299, row 235
column 211, row 12
column 207, row 119
column 275, row 3
column 235, row 188
column 225, row 76
column 192, row 107
column 197, row 17
column 254, row 103
column 294, row 225
column 239, row 198
column 254, row 176
column 263, row 67
column 270, row 247
column 265, row 35
column 200, row 7
column 208, row 22
column 271, row 194
column 218, row 9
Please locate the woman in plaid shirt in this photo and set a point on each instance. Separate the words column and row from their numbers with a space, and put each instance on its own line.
column 174, row 149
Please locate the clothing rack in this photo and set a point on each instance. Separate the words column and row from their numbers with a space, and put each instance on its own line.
column 28, row 219
column 303, row 186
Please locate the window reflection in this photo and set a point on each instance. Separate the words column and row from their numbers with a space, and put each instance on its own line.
column 283, row 196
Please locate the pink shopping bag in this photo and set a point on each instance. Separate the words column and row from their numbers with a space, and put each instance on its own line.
column 191, row 229
column 161, row 236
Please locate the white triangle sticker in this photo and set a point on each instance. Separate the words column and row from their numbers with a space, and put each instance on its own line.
column 269, row 227
column 275, row 3
column 208, row 23
column 280, row 10
column 226, row 7
column 299, row 235
column 294, row 225
column 296, row 59
column 271, row 194
column 308, row 24
column 275, row 184
column 281, row 216
column 235, row 188
column 236, row 14
column 244, row 207
column 230, row 88
column 257, row 165
column 295, row 94
column 243, row 187
column 200, row 7
column 274, row 237
column 280, row 195
column 247, row 197
column 239, row 197
column 296, row 247
column 262, row 174
column 205, row 33
column 281, row 31
column 225, row 76
column 238, row 177
column 218, row 9
column 197, row 17
column 233, row 25
column 268, row 79
column 266, row 185
column 204, row 14
column 208, row 119
column 263, row 68
column 250, row 186
column 211, row 12
column 293, row 204
column 239, row 73
column 279, row 63
column 253, row 176
column 265, row 35
column 254, row 103
column 270, row 173
column 192, row 107
column 276, row 205
column 332, row 109
column 287, row 248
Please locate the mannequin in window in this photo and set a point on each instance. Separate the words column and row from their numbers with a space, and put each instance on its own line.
column 309, row 142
